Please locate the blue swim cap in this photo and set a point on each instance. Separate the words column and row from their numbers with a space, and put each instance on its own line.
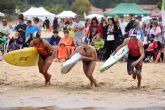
column 85, row 40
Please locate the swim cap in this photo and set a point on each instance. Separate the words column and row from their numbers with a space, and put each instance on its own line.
column 36, row 35
column 85, row 40
column 133, row 32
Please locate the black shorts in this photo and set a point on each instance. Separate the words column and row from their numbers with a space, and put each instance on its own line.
column 138, row 67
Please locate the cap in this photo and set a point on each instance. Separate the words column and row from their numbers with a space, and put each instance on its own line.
column 85, row 40
column 36, row 35
column 133, row 32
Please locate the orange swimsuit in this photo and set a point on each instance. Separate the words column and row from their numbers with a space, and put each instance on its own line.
column 44, row 53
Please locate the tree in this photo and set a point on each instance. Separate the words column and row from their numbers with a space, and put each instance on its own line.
column 81, row 6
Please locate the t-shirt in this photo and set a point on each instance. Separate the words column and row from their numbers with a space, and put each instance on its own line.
column 62, row 52
column 80, row 33
column 21, row 26
column 67, row 41
column 151, row 46
column 31, row 29
column 54, row 40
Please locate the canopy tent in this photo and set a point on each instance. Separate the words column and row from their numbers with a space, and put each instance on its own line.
column 2, row 14
column 65, row 14
column 125, row 9
column 94, row 15
column 38, row 12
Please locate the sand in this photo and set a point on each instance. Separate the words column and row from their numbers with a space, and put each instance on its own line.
column 24, row 87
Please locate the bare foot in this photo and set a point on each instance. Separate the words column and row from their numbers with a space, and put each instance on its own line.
column 138, row 87
column 47, row 80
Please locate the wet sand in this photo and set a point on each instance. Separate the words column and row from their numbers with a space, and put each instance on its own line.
column 24, row 87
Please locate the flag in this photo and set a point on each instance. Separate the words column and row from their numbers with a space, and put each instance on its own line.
column 163, row 16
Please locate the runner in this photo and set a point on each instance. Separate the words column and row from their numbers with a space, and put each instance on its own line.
column 135, row 56
column 46, row 55
column 89, row 57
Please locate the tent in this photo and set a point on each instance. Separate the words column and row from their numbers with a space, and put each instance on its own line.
column 65, row 14
column 38, row 12
column 2, row 14
column 125, row 9
column 94, row 15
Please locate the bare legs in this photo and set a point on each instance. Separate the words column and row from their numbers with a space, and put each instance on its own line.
column 88, row 70
column 43, row 68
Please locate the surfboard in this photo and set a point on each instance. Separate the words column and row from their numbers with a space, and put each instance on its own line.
column 114, row 58
column 67, row 66
column 23, row 57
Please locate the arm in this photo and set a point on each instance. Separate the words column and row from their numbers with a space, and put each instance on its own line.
column 31, row 44
column 123, row 44
column 48, row 46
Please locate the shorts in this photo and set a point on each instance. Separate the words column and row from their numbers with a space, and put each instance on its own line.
column 130, row 68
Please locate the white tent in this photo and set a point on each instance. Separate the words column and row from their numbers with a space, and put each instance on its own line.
column 94, row 15
column 65, row 14
column 38, row 12
column 2, row 14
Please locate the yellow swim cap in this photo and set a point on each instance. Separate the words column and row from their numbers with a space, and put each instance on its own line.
column 36, row 35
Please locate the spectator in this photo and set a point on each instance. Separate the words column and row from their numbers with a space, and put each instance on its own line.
column 78, row 28
column 37, row 24
column 119, row 36
column 94, row 29
column 149, row 52
column 122, row 25
column 156, row 31
column 30, row 38
column 87, row 24
column 112, row 33
column 15, row 43
column 103, row 25
column 68, row 41
column 21, row 28
column 55, row 23
column 47, row 23
column 2, row 40
column 31, row 28
column 98, row 42
column 61, row 52
column 54, row 40
column 5, row 27
column 130, row 25
column 139, row 30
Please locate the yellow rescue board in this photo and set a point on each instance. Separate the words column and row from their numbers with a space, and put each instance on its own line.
column 23, row 57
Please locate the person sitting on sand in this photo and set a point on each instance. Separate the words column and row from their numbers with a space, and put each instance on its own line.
column 46, row 55
column 68, row 41
column 15, row 43
column 61, row 52
column 135, row 55
column 88, row 57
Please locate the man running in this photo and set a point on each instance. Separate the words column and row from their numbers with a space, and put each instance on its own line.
column 135, row 56
column 88, row 58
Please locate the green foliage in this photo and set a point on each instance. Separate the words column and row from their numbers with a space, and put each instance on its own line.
column 81, row 6
column 56, row 8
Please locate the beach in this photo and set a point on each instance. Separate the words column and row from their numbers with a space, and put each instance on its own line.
column 24, row 87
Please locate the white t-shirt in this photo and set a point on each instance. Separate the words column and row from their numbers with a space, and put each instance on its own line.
column 80, row 33
column 156, row 31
